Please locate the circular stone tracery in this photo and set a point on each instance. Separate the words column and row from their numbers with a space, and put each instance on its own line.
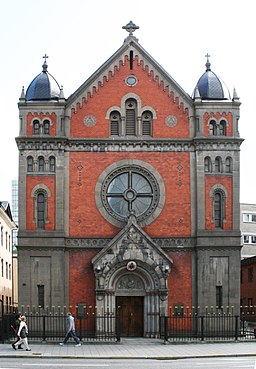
column 127, row 189
column 130, row 186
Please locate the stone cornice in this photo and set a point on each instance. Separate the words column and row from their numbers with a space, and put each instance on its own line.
column 128, row 145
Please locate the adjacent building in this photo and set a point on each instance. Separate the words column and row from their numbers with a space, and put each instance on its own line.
column 7, row 226
column 248, row 229
column 129, row 191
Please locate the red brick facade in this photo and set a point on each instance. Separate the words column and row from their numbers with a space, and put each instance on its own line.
column 118, row 196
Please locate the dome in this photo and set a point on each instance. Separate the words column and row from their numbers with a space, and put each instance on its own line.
column 210, row 86
column 43, row 87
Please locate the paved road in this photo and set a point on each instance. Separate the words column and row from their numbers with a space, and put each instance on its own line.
column 200, row 363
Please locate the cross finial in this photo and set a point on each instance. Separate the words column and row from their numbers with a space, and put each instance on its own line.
column 45, row 64
column 45, row 57
column 130, row 27
column 208, row 64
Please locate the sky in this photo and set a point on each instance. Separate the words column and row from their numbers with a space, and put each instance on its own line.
column 80, row 35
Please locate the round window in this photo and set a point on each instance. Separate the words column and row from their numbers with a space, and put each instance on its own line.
column 130, row 186
column 131, row 80
column 130, row 189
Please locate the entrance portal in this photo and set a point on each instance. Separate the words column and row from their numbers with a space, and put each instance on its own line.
column 131, row 309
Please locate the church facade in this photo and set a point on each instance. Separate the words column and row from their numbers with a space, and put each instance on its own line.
column 129, row 191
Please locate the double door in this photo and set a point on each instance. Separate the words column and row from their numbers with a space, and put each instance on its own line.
column 131, row 309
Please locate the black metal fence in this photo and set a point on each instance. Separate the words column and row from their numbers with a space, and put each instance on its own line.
column 181, row 325
column 50, row 325
column 210, row 325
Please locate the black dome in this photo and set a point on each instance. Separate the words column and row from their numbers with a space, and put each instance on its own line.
column 43, row 87
column 210, row 86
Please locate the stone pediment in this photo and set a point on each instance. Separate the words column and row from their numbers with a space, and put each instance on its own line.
column 131, row 246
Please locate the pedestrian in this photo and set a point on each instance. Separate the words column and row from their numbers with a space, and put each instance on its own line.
column 70, row 331
column 15, row 328
column 22, row 334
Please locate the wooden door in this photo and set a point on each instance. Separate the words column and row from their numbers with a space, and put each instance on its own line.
column 131, row 315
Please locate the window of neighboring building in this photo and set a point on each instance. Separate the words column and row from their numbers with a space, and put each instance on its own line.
column 2, row 267
column 41, row 164
column 2, row 236
column 6, row 240
column 246, row 239
column 250, row 274
column 10, row 271
column 30, row 164
column 46, row 127
column 250, row 301
column 207, row 165
column 147, row 120
column 246, row 217
column 6, row 270
column 249, row 239
column 213, row 128
column 249, row 217
column 52, row 164
column 36, row 127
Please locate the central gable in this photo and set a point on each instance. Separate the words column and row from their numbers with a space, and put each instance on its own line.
column 131, row 54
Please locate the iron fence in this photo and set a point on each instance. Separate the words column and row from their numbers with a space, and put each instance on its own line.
column 50, row 325
column 181, row 325
column 214, row 324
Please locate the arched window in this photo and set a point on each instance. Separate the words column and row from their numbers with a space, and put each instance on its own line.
column 218, row 209
column 30, row 164
column 131, row 117
column 41, row 164
column 146, row 120
column 213, row 128
column 36, row 127
column 115, row 124
column 46, row 127
column 40, row 202
column 207, row 165
column 228, row 165
column 218, row 168
column 222, row 128
column 52, row 164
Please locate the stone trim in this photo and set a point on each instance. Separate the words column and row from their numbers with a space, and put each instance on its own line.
column 132, row 145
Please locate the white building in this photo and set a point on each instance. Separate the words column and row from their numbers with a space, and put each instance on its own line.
column 248, row 229
column 7, row 225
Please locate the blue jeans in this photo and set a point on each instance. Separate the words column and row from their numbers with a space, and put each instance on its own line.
column 72, row 334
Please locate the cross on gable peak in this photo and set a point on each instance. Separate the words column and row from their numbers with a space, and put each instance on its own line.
column 130, row 27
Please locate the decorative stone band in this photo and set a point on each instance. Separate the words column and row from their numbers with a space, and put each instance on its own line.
column 102, row 242
column 133, row 145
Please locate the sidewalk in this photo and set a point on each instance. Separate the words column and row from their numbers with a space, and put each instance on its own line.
column 139, row 348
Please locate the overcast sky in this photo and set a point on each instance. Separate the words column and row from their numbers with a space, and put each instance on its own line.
column 80, row 35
